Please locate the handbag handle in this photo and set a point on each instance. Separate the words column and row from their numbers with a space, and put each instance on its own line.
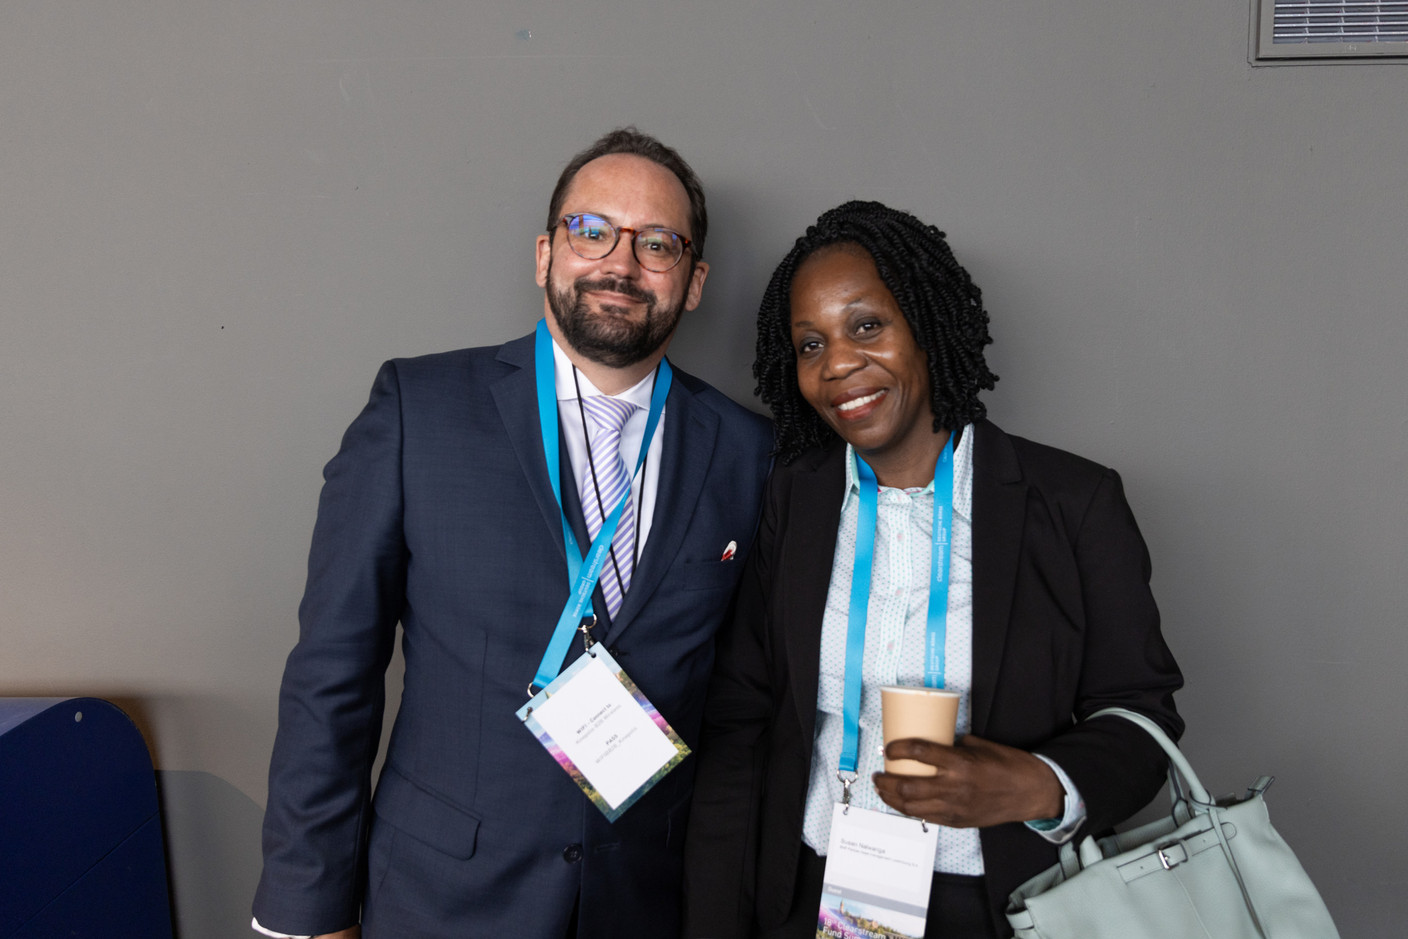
column 1186, row 788
column 1190, row 784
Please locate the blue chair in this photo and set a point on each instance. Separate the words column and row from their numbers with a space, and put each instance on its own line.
column 81, row 851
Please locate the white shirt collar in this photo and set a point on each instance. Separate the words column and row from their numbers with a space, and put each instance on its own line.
column 962, row 457
column 638, row 394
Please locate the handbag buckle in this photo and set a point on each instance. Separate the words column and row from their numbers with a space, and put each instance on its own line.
column 1170, row 861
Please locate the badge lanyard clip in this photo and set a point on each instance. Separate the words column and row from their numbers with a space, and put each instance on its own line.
column 846, row 780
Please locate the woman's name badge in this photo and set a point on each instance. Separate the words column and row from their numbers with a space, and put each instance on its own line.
column 604, row 732
column 879, row 869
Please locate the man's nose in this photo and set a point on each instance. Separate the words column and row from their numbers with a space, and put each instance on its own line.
column 622, row 258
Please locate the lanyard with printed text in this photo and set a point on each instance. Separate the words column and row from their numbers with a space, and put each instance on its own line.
column 582, row 573
column 937, row 629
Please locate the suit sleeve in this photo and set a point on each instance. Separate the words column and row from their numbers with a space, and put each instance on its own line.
column 333, row 693
column 722, row 841
column 1117, row 767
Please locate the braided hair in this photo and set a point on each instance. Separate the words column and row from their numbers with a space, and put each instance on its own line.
column 942, row 305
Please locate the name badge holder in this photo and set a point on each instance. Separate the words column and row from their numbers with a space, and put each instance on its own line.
column 590, row 717
column 879, row 867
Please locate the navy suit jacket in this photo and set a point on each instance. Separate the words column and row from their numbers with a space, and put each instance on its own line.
column 437, row 513
column 1063, row 625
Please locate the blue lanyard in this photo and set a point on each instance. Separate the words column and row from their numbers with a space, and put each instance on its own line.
column 937, row 630
column 582, row 574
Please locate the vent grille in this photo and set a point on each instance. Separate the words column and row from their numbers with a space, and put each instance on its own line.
column 1314, row 21
column 1329, row 30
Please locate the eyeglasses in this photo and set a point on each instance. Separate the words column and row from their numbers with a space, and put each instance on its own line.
column 592, row 238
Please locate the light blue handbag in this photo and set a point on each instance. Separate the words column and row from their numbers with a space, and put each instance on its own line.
column 1209, row 871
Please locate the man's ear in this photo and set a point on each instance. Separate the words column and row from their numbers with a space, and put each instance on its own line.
column 696, row 284
column 544, row 258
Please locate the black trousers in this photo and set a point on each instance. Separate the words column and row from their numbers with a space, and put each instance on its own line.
column 958, row 906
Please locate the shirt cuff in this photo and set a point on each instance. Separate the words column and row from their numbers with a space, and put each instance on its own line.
column 1060, row 830
column 254, row 924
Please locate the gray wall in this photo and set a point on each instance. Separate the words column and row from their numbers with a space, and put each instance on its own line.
column 218, row 218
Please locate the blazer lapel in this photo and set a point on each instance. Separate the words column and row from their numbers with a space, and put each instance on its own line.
column 516, row 396
column 690, row 432
column 999, row 513
column 813, row 517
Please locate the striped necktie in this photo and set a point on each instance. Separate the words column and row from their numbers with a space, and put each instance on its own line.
column 603, row 487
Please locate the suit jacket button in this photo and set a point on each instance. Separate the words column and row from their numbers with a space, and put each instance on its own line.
column 572, row 853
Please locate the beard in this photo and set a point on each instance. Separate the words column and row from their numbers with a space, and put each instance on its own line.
column 609, row 337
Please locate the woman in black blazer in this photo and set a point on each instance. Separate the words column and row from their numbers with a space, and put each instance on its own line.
column 870, row 349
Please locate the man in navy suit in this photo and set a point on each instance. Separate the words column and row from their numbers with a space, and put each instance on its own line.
column 439, row 513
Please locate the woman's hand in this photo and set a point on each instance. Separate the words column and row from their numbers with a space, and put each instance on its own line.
column 979, row 783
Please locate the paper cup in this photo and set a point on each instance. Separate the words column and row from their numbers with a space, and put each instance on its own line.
column 926, row 713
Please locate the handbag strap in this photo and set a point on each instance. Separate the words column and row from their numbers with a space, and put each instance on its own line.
column 1188, row 785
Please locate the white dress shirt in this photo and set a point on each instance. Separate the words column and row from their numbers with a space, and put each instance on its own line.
column 632, row 433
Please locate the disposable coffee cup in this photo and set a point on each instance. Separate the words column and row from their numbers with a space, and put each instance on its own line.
column 926, row 713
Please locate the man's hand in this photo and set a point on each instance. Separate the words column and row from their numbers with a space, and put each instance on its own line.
column 353, row 932
column 979, row 784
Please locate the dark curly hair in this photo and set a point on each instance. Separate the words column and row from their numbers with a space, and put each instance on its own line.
column 943, row 306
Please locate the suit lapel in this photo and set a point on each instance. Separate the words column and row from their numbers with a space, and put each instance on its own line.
column 516, row 396
column 804, row 578
column 689, row 435
column 999, row 512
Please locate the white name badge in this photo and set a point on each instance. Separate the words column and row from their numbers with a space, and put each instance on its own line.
column 604, row 732
column 879, row 869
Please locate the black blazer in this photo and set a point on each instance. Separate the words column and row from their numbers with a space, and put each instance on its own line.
column 1063, row 624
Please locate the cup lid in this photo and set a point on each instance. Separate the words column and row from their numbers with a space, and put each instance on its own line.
column 920, row 689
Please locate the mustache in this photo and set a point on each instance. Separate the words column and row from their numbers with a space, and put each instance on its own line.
column 616, row 285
